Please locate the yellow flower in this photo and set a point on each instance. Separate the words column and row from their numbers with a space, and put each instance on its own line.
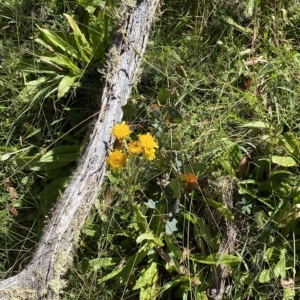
column 135, row 148
column 147, row 141
column 121, row 131
column 116, row 160
column 149, row 153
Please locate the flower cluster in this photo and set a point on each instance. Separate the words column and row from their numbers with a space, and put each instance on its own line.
column 145, row 146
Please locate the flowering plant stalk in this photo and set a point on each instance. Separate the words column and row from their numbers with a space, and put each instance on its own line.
column 131, row 157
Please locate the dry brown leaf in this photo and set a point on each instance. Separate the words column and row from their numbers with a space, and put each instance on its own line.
column 254, row 61
column 287, row 284
column 12, row 193
column 242, row 166
column 185, row 254
column 13, row 211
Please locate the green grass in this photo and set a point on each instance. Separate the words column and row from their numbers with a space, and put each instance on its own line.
column 207, row 102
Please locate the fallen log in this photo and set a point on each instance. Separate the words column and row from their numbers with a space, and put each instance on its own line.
column 42, row 278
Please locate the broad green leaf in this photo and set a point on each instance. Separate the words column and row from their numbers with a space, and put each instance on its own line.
column 51, row 190
column 289, row 216
column 149, row 236
column 171, row 246
column 190, row 217
column 30, row 163
column 196, row 168
column 163, row 95
column 284, row 161
column 62, row 153
column 231, row 157
column 266, row 276
column 141, row 218
column 221, row 208
column 173, row 115
column 64, row 62
column 125, row 269
column 105, row 262
column 148, row 277
column 257, row 124
column 173, row 283
column 217, row 259
column 245, row 190
column 52, row 39
column 82, row 43
column 231, row 22
column 176, row 188
column 203, row 231
column 65, row 84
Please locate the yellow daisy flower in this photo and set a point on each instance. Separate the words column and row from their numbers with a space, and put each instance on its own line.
column 149, row 153
column 147, row 141
column 121, row 131
column 135, row 148
column 116, row 160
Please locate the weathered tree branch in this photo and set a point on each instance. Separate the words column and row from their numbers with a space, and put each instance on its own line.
column 41, row 279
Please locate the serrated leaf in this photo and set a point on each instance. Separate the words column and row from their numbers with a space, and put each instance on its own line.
column 284, row 161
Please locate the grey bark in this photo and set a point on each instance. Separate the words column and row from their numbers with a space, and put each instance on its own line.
column 41, row 279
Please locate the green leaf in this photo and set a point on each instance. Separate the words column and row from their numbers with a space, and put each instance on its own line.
column 284, row 161
column 105, row 262
column 196, row 168
column 217, row 259
column 125, row 270
column 65, row 84
column 63, row 62
column 289, row 216
column 82, row 43
column 147, row 278
column 52, row 189
column 163, row 95
column 257, row 124
column 171, row 246
column 48, row 37
column 149, row 236
column 176, row 188
column 221, row 208
column 62, row 154
column 173, row 115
